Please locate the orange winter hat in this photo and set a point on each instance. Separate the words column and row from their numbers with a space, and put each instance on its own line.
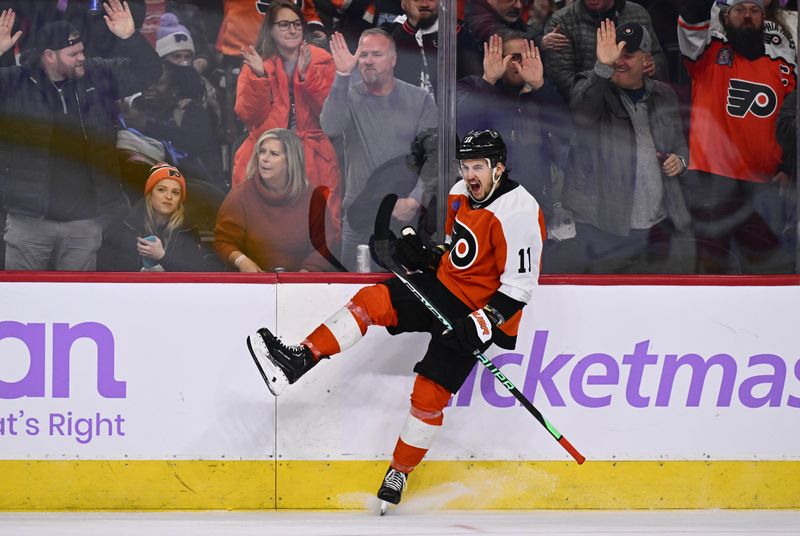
column 162, row 171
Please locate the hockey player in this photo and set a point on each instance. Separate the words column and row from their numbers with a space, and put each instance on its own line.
column 480, row 278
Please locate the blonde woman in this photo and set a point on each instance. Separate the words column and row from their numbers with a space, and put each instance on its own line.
column 154, row 236
column 263, row 224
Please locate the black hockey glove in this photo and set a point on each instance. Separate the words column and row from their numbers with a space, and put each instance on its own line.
column 470, row 335
column 414, row 255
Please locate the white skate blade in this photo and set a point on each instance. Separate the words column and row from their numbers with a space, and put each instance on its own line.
column 384, row 507
column 273, row 376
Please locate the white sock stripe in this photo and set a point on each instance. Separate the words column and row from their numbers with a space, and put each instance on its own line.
column 344, row 328
column 359, row 313
column 417, row 433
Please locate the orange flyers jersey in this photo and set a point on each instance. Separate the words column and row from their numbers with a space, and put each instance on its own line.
column 493, row 248
column 735, row 103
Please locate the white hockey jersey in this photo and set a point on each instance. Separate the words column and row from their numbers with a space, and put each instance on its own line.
column 495, row 250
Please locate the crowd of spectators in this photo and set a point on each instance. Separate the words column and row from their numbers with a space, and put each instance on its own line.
column 170, row 135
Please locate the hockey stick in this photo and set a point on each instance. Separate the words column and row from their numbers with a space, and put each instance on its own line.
column 382, row 251
column 316, row 225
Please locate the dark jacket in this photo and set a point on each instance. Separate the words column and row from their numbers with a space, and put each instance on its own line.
column 786, row 134
column 28, row 100
column 416, row 63
column 580, row 26
column 534, row 125
column 599, row 183
column 184, row 250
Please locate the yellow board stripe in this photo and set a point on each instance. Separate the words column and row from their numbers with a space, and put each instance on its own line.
column 186, row 485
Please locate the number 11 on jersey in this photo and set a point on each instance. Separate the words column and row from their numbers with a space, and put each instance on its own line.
column 522, row 255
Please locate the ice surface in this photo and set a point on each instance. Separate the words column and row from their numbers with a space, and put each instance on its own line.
column 411, row 519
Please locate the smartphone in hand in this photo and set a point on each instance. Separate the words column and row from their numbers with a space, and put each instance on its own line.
column 147, row 262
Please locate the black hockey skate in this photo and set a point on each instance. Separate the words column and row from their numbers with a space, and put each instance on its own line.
column 392, row 488
column 280, row 365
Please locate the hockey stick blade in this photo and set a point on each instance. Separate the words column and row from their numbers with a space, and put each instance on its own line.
column 382, row 250
column 317, row 211
column 382, row 234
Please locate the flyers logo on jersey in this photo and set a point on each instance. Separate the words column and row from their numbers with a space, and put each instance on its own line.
column 465, row 246
column 748, row 97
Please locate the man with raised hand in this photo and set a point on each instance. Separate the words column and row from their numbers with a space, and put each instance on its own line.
column 514, row 98
column 379, row 117
column 480, row 279
column 60, row 175
column 623, row 186
column 579, row 22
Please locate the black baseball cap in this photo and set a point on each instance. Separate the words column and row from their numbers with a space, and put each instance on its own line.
column 57, row 35
column 636, row 37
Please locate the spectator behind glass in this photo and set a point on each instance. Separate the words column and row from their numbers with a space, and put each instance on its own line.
column 416, row 37
column 263, row 224
column 60, row 177
column 738, row 87
column 780, row 26
column 283, row 84
column 513, row 98
column 622, row 186
column 154, row 237
column 379, row 117
column 579, row 23
column 243, row 18
column 191, row 18
column 174, row 43
column 172, row 110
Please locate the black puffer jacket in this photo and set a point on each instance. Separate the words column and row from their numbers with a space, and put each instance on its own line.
column 28, row 102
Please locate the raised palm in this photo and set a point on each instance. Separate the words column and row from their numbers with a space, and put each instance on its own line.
column 494, row 64
column 253, row 60
column 304, row 59
column 530, row 68
column 7, row 40
column 608, row 50
column 119, row 19
column 345, row 61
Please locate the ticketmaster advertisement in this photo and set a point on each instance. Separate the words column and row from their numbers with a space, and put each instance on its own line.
column 625, row 373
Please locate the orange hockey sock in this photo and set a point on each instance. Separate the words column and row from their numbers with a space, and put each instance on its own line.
column 428, row 399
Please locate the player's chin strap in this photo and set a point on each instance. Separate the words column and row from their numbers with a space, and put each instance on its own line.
column 495, row 182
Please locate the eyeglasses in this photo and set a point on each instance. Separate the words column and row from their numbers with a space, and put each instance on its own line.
column 283, row 25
